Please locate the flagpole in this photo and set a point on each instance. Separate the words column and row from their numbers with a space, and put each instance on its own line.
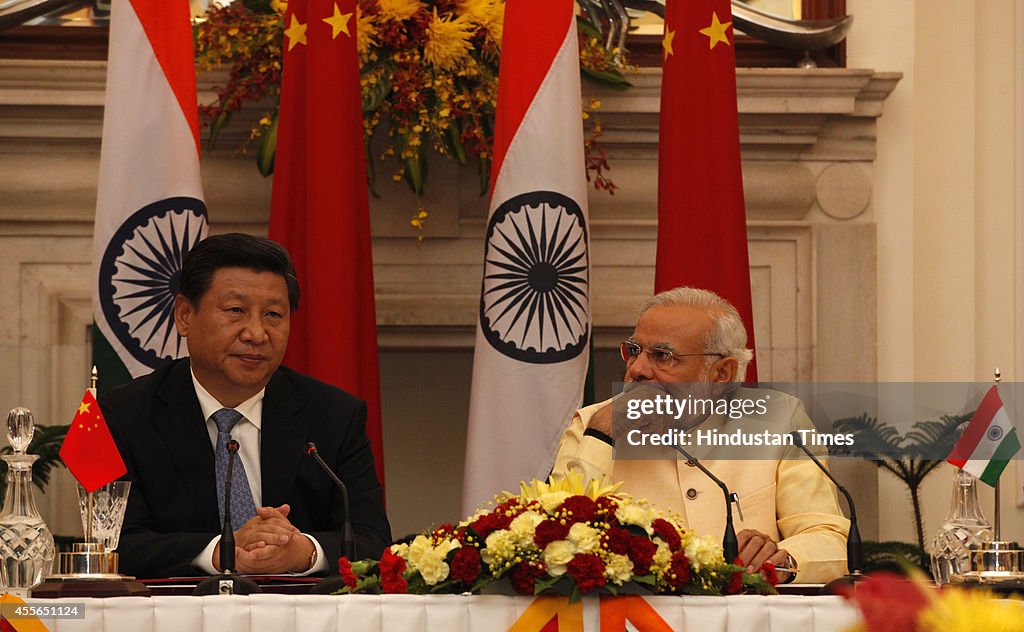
column 998, row 377
column 94, row 377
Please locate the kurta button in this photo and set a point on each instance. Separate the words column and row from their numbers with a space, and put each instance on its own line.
column 691, row 493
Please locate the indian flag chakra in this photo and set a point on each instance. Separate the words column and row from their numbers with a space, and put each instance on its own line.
column 989, row 442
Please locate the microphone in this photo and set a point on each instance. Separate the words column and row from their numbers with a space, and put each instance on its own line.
column 854, row 546
column 332, row 584
column 228, row 582
column 730, row 546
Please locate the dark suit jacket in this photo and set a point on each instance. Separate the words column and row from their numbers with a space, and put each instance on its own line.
column 172, row 511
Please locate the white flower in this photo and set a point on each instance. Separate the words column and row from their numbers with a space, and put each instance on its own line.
column 586, row 538
column 635, row 513
column 704, row 550
column 557, row 555
column 551, row 500
column 524, row 526
column 618, row 568
column 419, row 547
column 401, row 550
column 499, row 547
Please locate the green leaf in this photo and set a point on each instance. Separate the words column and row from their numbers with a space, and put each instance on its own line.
column 544, row 584
column 484, row 171
column 612, row 78
column 646, row 580
column 586, row 28
column 216, row 125
column 268, row 148
column 575, row 596
column 375, row 94
column 416, row 172
column 371, row 168
column 453, row 141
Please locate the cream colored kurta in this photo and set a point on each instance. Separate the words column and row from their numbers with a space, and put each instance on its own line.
column 785, row 497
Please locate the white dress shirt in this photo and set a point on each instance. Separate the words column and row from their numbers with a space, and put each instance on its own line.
column 247, row 433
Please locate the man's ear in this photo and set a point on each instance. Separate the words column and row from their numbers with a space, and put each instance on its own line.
column 183, row 311
column 724, row 370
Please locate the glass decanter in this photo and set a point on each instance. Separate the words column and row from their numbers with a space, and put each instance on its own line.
column 26, row 545
column 964, row 528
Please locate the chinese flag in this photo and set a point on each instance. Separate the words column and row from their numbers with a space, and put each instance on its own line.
column 88, row 449
column 702, row 230
column 319, row 208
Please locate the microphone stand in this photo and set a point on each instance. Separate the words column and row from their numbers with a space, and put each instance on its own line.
column 730, row 546
column 334, row 582
column 854, row 545
column 228, row 582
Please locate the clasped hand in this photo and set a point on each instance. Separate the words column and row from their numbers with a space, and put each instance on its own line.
column 268, row 543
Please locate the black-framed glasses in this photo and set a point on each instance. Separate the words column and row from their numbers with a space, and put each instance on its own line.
column 662, row 359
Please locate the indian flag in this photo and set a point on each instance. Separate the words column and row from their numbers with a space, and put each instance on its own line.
column 988, row 443
column 149, row 206
column 533, row 331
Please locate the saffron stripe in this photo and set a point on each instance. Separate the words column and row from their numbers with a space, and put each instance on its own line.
column 964, row 448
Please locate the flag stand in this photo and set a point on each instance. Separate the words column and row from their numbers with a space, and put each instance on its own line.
column 997, row 562
column 89, row 569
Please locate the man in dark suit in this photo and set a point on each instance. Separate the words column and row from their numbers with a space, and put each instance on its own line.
column 233, row 307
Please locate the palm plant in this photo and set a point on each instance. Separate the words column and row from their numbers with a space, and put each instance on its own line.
column 46, row 443
column 909, row 457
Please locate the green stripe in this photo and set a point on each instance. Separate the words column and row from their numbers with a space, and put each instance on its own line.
column 1007, row 448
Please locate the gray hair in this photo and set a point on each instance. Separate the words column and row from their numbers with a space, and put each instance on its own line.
column 727, row 336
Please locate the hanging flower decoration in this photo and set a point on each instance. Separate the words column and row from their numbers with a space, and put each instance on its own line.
column 429, row 77
column 559, row 536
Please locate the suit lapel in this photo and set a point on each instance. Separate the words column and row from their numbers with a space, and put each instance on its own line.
column 284, row 434
column 182, row 429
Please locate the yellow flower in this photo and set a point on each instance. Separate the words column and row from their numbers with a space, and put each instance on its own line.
column 971, row 611
column 557, row 556
column 618, row 568
column 429, row 560
column 366, row 32
column 499, row 547
column 704, row 550
column 398, row 10
column 586, row 538
column 636, row 513
column 573, row 484
column 447, row 41
column 524, row 526
column 489, row 15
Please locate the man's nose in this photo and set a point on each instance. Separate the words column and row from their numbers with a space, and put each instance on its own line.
column 254, row 330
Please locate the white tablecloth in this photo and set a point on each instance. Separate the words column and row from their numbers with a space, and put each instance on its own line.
column 446, row 613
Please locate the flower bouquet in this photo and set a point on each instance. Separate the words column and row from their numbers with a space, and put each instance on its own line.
column 561, row 536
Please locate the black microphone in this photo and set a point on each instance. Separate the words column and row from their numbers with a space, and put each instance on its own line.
column 854, row 546
column 330, row 585
column 228, row 582
column 730, row 546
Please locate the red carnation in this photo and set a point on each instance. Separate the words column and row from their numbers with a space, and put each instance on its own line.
column 588, row 571
column 391, row 568
column 524, row 577
column 617, row 540
column 549, row 531
column 768, row 570
column 678, row 570
column 465, row 565
column 578, row 509
column 667, row 532
column 488, row 523
column 888, row 602
column 735, row 586
column 345, row 570
column 641, row 553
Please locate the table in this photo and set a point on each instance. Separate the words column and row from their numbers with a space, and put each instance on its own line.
column 446, row 613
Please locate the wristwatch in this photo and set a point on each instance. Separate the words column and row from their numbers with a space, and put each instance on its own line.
column 312, row 559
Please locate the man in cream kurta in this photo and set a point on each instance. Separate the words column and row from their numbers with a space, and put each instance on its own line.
column 790, row 511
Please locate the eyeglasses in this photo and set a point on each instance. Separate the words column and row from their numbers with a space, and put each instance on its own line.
column 662, row 359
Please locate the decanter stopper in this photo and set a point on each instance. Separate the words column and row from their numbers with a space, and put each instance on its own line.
column 20, row 428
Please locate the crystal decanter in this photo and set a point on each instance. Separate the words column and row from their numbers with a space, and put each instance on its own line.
column 964, row 528
column 26, row 545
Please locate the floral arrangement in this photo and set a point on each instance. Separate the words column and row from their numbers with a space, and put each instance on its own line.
column 893, row 603
column 560, row 536
column 429, row 71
